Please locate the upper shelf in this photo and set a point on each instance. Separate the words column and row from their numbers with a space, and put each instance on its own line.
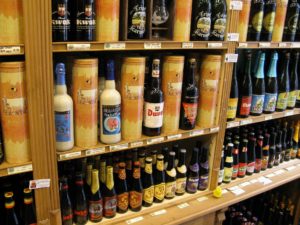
column 249, row 45
column 7, row 169
column 6, row 50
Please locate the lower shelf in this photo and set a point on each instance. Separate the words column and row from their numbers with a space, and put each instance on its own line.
column 7, row 169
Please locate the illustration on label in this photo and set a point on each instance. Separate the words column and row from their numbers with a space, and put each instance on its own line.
column 170, row 189
column 257, row 104
column 245, row 105
column 257, row 21
column 292, row 99
column 203, row 181
column 268, row 22
column 95, row 210
column 110, row 206
column 270, row 102
column 219, row 27
column 135, row 199
column 180, row 185
column 153, row 114
column 111, row 116
column 203, row 25
column 148, row 194
column 138, row 20
column 159, row 191
column 190, row 111
column 232, row 107
column 63, row 126
column 123, row 201
column 282, row 100
column 174, row 89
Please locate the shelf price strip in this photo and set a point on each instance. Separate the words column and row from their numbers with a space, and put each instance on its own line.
column 118, row 147
column 158, row 213
column 19, row 169
column 7, row 50
column 95, row 151
column 73, row 47
column 134, row 220
column 114, row 46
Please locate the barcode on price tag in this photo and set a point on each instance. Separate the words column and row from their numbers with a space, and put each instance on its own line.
column 135, row 220
column 233, row 36
column 231, row 58
column 6, row 50
column 114, row 46
column 73, row 47
column 95, row 151
column 152, row 45
column 236, row 5
column 19, row 169
column 37, row 184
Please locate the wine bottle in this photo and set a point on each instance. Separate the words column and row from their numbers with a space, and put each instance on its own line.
column 86, row 20
column 221, row 171
column 291, row 21
column 11, row 216
column 243, row 158
column 219, row 20
column 235, row 165
column 265, row 152
column 137, row 13
column 80, row 208
column 228, row 169
column 251, row 154
column 109, row 195
column 29, row 216
column 290, row 154
column 258, row 154
column 170, row 177
column 61, row 24
column 65, row 202
column 293, row 81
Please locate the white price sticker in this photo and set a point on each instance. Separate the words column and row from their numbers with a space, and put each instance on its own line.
column 238, row 191
column 160, row 212
column 70, row 155
column 268, row 117
column 282, row 45
column 231, row 58
column 37, row 184
column 114, row 46
column 295, row 45
column 7, row 50
column 253, row 181
column 245, row 184
column 136, row 144
column 233, row 188
column 236, row 5
column 289, row 113
column 196, row 132
column 73, row 47
column 187, row 45
column 270, row 175
column 95, row 151
column 224, row 191
column 214, row 129
column 118, row 147
column 278, row 172
column 135, row 220
column 183, row 205
column 290, row 168
column 175, row 136
column 233, row 36
column 245, row 122
column 152, row 45
column 233, row 124
column 19, row 169
column 264, row 44
column 155, row 140
column 243, row 45
column 202, row 199
column 215, row 45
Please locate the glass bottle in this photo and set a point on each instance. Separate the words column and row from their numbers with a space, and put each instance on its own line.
column 258, row 154
column 65, row 202
column 255, row 20
column 136, row 191
column 86, row 20
column 278, row 148
column 122, row 189
column 228, row 169
column 29, row 216
column 109, row 195
column 137, row 13
column 221, row 171
column 234, row 97
column 80, row 208
column 204, row 169
column 235, row 164
column 170, row 177
column 251, row 154
column 272, row 149
column 265, row 152
column 268, row 20
column 159, row 180
column 181, row 173
column 11, row 217
column 218, row 20
column 95, row 199
column 148, row 183
column 61, row 24
column 243, row 158
column 293, row 81
column 201, row 20
column 193, row 173
column 291, row 21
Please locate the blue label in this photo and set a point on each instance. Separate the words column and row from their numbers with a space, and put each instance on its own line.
column 257, row 103
column 270, row 102
column 63, row 126
column 111, row 116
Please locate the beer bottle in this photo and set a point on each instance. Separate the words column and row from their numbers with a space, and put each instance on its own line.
column 271, row 85
column 219, row 20
column 136, row 191
column 258, row 95
column 115, row 161
column 148, row 183
column 265, row 152
column 86, row 20
column 65, row 202
column 268, row 20
column 170, row 177
column 80, row 208
column 221, row 171
column 234, row 97
column 228, row 169
column 193, row 173
column 272, row 149
column 128, row 159
column 142, row 157
column 154, row 104
column 165, row 153
column 290, row 154
column 61, row 24
column 189, row 101
column 278, row 148
column 11, row 216
column 137, row 13
column 255, row 20
column 258, row 154
column 296, row 140
column 88, row 181
column 293, row 81
column 284, row 141
column 175, row 149
column 245, row 90
column 181, row 173
column 159, row 180
column 102, row 175
column 203, row 169
column 251, row 154
column 29, row 217
column 291, row 21
column 235, row 165
column 284, row 85
column 121, row 189
column 243, row 158
column 95, row 200
column 201, row 20
column 109, row 195
column 154, row 160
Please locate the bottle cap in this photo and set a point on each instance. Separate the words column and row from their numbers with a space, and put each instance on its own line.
column 60, row 74
column 148, row 160
column 160, row 156
column 182, row 150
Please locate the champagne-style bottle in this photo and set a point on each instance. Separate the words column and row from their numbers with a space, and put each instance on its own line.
column 228, row 169
column 80, row 208
column 234, row 97
column 159, row 180
column 29, row 217
column 268, row 20
column 204, row 169
column 272, row 149
column 122, row 189
column 170, row 177
column 148, row 183
column 181, row 173
column 219, row 20
column 109, row 195
column 65, row 203
column 193, row 173
column 136, row 191
column 293, row 81
column 255, row 20
column 95, row 199
column 251, row 154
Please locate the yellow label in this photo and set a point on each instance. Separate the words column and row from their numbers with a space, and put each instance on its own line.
column 148, row 168
column 172, row 172
column 292, row 99
column 257, row 21
column 268, row 22
column 182, row 169
column 159, row 191
column 298, row 95
column 160, row 165
column 282, row 100
column 227, row 174
column 180, row 185
column 170, row 189
column 232, row 107
column 148, row 195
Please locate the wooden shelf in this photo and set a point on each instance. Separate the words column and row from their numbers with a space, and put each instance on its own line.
column 135, row 45
column 250, row 45
column 78, row 152
column 264, row 117
column 7, row 50
column 7, row 169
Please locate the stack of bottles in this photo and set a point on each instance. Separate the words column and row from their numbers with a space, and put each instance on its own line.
column 253, row 93
column 115, row 183
column 252, row 149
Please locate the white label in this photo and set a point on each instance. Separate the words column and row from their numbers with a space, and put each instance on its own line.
column 233, row 188
column 155, row 140
column 236, row 5
column 95, row 151
column 183, row 205
column 290, row 168
column 232, row 124
column 70, row 155
column 224, row 191
column 278, row 172
column 268, row 117
column 214, row 45
column 264, row 44
column 152, row 45
column 78, row 46
column 244, row 122
column 231, row 58
column 160, row 212
column 19, row 169
column 253, row 181
column 214, row 129
column 233, row 36
column 10, row 50
column 153, row 114
column 202, row 199
column 113, row 46
column 270, row 175
column 243, row 45
column 187, row 45
column 282, row 45
column 37, row 184
column 264, row 180
column 238, row 191
column 245, row 184
column 295, row 44
column 175, row 136
column 290, row 113
column 136, row 144
column 134, row 220
column 118, row 147
column 196, row 132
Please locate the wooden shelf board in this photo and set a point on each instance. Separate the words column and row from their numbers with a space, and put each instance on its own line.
column 78, row 152
column 250, row 45
column 7, row 169
column 264, row 117
column 8, row 50
column 191, row 206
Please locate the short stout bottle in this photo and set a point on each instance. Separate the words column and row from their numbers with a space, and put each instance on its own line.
column 61, row 24
column 218, row 20
column 65, row 202
column 228, row 169
column 243, row 159
column 86, row 20
column 268, row 20
column 278, row 148
column 203, row 169
column 159, row 180
column 137, row 13
column 29, row 217
column 272, row 149
column 122, row 189
column 258, row 154
column 190, row 96
column 148, row 183
column 154, row 104
column 265, row 152
column 95, row 199
column 80, row 207
column 128, row 162
column 109, row 195
column 10, row 213
column 234, row 97
column 181, row 173
column 193, row 173
column 136, row 191
column 255, row 20
column 293, row 81
column 221, row 171
column 291, row 21
column 251, row 154
column 170, row 177
column 235, row 164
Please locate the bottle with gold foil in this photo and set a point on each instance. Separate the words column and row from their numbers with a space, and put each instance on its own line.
column 11, row 216
column 295, row 141
column 244, row 20
column 234, row 97
column 159, row 180
column 109, row 195
column 14, row 118
column 182, row 20
column 95, row 199
column 132, row 89
column 88, row 181
column 181, row 171
column 281, row 9
column 29, row 216
column 218, row 20
column 291, row 21
column 136, row 191
column 85, row 97
column 293, row 81
column 102, row 174
column 141, row 157
column 268, row 20
column 193, row 173
column 170, row 177
column 148, row 183
column 255, row 20
column 122, row 189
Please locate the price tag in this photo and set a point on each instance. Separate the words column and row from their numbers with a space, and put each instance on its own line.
column 73, row 47
column 183, row 205
column 160, row 212
column 238, row 191
column 214, row 129
column 282, row 45
column 215, row 45
column 136, row 144
column 114, row 46
column 38, row 184
column 19, row 169
column 243, row 45
column 253, row 181
column 233, row 36
column 270, row 175
column 187, row 45
column 231, row 58
column 244, row 122
column 7, row 50
column 152, row 45
column 233, row 124
column 295, row 45
column 290, row 168
column 135, row 220
column 245, row 184
column 70, row 155
column 264, row 44
column 236, row 5
column 196, row 132
column 155, row 140
column 175, row 136
column 118, row 147
column 202, row 199
column 289, row 113
column 95, row 151
column 264, row 180
column 233, row 188
column 278, row 172
column 268, row 117
column 224, row 191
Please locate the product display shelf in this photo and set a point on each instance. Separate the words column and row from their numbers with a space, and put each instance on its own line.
column 249, row 45
column 9, row 50
column 7, row 169
column 264, row 117
column 78, row 152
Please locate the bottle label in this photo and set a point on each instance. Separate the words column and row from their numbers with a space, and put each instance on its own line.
column 111, row 119
column 81, row 213
column 110, row 206
column 153, row 114
column 245, row 105
column 95, row 210
column 235, row 169
column 171, row 173
column 194, row 167
column 227, row 174
column 257, row 104
column 221, row 175
column 268, row 22
column 159, row 191
column 264, row 162
column 63, row 126
column 170, row 189
column 148, row 194
column 136, row 173
column 250, row 167
column 219, row 26
column 135, row 199
column 160, row 165
column 190, row 111
column 242, row 169
column 85, row 20
column 203, row 181
column 258, row 165
column 231, row 108
column 182, row 169
column 270, row 102
column 298, row 153
column 271, row 161
column 288, row 154
column 298, row 93
column 292, row 99
column 192, row 184
column 282, row 100
column 229, row 159
column 203, row 25
column 138, row 20
column 67, row 217
column 180, row 185
column 257, row 21
column 60, row 19
column 123, row 201
column 122, row 174
column 292, row 23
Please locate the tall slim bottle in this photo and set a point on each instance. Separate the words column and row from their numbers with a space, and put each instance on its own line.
column 265, row 152
column 243, row 158
column 122, row 189
column 268, row 20
column 221, row 171
column 159, row 180
column 170, row 177
column 193, row 173
column 80, row 208
column 137, row 13
column 295, row 140
column 235, row 164
column 11, row 217
column 29, row 217
column 294, row 88
column 61, row 24
column 181, row 170
column 148, row 183
column 218, row 20
column 109, row 195
column 86, row 20
column 95, row 200
column 290, row 154
column 136, row 191
column 204, row 169
column 251, row 154
column 272, row 149
column 291, row 21
column 65, row 202
column 258, row 154
column 278, row 148
column 234, row 97
column 255, row 20
column 228, row 169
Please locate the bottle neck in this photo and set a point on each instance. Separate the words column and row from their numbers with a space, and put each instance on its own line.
column 110, row 84
column 102, row 173
column 171, row 163
column 260, row 70
column 95, row 182
column 273, row 68
column 155, row 76
column 89, row 175
column 148, row 168
column 248, row 68
column 181, row 161
column 60, row 89
column 191, row 75
column 122, row 174
column 142, row 161
column 295, row 64
column 160, row 165
column 194, row 158
column 286, row 67
column 109, row 178
column 136, row 172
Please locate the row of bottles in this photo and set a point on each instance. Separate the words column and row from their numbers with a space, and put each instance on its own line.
column 129, row 180
column 249, row 150
column 253, row 93
column 128, row 110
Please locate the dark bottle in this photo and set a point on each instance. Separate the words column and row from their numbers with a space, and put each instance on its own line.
column 221, row 171
column 181, row 173
column 203, row 169
column 65, row 202
column 293, row 81
column 175, row 149
column 61, row 24
column 142, row 157
column 255, row 20
column 284, row 141
column 243, row 158
column 296, row 141
column 228, row 169
column 265, row 152
column 272, row 149
column 102, row 175
column 258, row 154
column 291, row 21
column 95, row 200
column 170, row 177
column 235, row 164
column 245, row 90
column 189, row 100
column 11, row 216
column 148, row 183
column 80, row 208
column 234, row 97
column 154, row 158
column 284, row 85
column 128, row 161
column 136, row 191
column 159, row 180
column 88, row 181
column 193, row 173
column 201, row 20
column 268, row 20
column 137, row 13
column 122, row 189
column 218, row 20
column 154, row 104
column 1, row 147
column 271, row 86
column 251, row 154
column 29, row 217
column 85, row 20
column 278, row 148
column 115, row 161
column 109, row 195
column 165, row 153
column 289, row 153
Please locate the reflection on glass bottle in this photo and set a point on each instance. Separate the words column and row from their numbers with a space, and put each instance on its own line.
column 160, row 15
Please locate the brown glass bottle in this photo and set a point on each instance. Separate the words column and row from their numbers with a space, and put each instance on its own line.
column 204, row 169
column 148, row 183
column 255, row 20
column 65, row 202
column 109, row 195
column 95, row 199
column 11, row 216
column 122, row 189
column 80, row 208
column 181, row 173
column 102, row 175
column 218, row 20
column 136, row 191
column 29, row 217
column 193, row 173
column 291, row 21
column 170, row 177
column 159, row 180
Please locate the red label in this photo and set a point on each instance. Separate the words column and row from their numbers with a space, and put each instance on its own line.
column 123, row 201
column 235, row 170
column 80, row 212
column 258, row 165
column 242, row 169
column 250, row 167
column 190, row 111
column 110, row 206
column 135, row 199
column 67, row 217
column 136, row 173
column 245, row 106
column 96, row 210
